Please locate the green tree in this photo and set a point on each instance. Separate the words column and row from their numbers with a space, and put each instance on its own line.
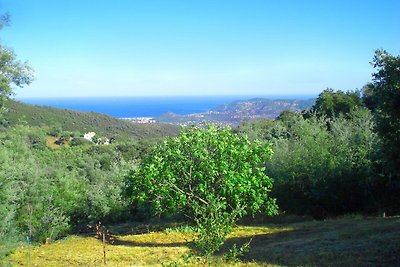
column 211, row 175
column 368, row 96
column 385, row 93
column 12, row 71
column 322, row 165
column 330, row 103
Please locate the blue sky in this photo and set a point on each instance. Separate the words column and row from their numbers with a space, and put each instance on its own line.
column 188, row 47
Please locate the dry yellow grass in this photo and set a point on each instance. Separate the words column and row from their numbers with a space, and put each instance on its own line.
column 88, row 251
column 341, row 242
column 152, row 249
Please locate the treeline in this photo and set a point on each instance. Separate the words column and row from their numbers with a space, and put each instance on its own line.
column 331, row 159
column 323, row 165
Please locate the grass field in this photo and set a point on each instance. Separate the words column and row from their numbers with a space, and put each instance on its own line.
column 347, row 241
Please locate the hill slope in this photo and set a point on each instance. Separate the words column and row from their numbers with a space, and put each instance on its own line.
column 70, row 120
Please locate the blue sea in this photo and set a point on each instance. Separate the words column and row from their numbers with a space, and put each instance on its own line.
column 129, row 107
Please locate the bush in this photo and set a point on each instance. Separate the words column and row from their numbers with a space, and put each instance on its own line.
column 79, row 141
column 323, row 171
column 211, row 175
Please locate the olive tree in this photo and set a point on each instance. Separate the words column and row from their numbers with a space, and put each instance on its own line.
column 384, row 93
column 12, row 71
column 211, row 175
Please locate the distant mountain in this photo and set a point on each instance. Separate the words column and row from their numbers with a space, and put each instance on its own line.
column 71, row 120
column 261, row 107
column 244, row 110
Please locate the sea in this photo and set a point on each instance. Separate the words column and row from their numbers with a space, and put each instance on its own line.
column 151, row 106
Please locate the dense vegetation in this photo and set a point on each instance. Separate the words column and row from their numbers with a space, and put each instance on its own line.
column 47, row 192
column 323, row 166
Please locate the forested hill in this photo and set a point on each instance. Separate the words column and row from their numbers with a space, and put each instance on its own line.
column 71, row 120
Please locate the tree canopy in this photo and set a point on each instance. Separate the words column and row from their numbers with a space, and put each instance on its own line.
column 211, row 175
column 384, row 93
column 12, row 71
column 385, row 90
column 330, row 103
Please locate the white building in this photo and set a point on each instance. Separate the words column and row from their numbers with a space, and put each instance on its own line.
column 89, row 135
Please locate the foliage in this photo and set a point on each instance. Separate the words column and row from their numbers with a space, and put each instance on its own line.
column 12, row 71
column 78, row 185
column 384, row 92
column 235, row 252
column 211, row 175
column 79, row 141
column 331, row 104
column 135, row 151
column 213, row 224
column 322, row 170
column 368, row 97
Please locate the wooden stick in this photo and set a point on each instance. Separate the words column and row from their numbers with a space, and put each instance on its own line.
column 104, row 246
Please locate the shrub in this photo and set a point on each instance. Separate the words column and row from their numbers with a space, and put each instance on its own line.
column 209, row 174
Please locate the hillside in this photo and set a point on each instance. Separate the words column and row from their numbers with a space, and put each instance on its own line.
column 244, row 110
column 70, row 120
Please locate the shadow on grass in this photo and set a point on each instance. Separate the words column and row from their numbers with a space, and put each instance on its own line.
column 135, row 228
column 128, row 243
column 329, row 243
column 343, row 242
column 130, row 228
